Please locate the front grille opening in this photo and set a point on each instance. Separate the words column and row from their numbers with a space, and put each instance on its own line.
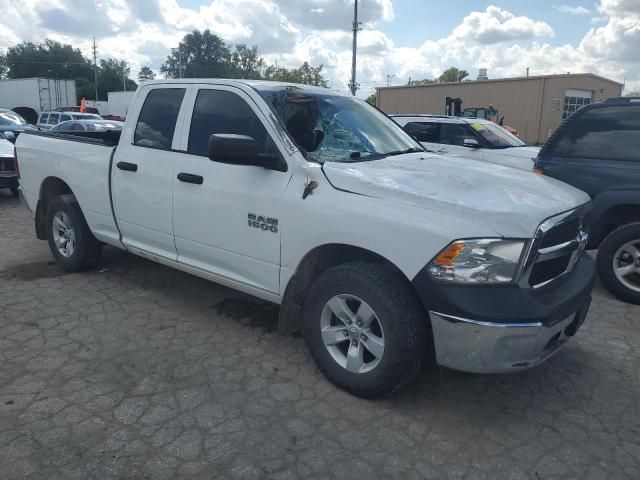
column 561, row 233
column 7, row 165
column 548, row 270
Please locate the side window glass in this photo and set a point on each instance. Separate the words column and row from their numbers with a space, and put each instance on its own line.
column 157, row 121
column 53, row 118
column 64, row 118
column 454, row 134
column 607, row 133
column 423, row 131
column 75, row 126
column 44, row 118
column 220, row 111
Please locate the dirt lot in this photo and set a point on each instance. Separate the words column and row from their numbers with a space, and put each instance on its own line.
column 135, row 370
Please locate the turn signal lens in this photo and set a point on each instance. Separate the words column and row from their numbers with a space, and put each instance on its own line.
column 448, row 256
column 538, row 170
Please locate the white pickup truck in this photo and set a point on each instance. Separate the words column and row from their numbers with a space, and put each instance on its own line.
column 382, row 254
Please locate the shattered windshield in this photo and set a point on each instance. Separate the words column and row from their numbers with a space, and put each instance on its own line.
column 336, row 128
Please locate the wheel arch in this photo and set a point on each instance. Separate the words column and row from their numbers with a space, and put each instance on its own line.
column 316, row 261
column 612, row 210
column 50, row 188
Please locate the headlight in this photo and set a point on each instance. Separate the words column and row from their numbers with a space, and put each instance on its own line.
column 478, row 261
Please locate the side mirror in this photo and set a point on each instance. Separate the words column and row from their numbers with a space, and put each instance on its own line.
column 471, row 143
column 240, row 150
column 9, row 136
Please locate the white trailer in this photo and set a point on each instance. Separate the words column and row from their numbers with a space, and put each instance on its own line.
column 29, row 96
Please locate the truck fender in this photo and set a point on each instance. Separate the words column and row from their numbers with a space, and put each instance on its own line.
column 610, row 210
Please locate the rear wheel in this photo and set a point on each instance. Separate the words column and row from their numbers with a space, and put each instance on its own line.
column 365, row 329
column 70, row 240
column 619, row 262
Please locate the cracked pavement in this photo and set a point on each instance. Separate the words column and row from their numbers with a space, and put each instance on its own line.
column 135, row 370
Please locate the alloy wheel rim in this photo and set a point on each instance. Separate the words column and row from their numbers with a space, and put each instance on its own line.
column 352, row 333
column 64, row 235
column 626, row 265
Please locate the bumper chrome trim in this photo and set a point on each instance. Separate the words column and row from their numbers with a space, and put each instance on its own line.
column 488, row 347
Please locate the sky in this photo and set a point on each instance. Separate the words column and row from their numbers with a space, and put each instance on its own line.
column 399, row 40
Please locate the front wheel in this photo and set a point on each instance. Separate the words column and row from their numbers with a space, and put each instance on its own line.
column 70, row 240
column 365, row 329
column 619, row 262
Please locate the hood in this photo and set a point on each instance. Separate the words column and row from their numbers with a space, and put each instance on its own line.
column 509, row 201
column 526, row 152
column 6, row 148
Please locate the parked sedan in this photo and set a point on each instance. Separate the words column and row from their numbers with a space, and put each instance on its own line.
column 469, row 137
column 87, row 126
column 11, row 124
column 8, row 174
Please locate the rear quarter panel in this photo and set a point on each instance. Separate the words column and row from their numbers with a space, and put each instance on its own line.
column 83, row 166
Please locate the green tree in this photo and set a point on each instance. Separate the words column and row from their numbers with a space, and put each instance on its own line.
column 424, row 81
column 202, row 54
column 48, row 59
column 145, row 74
column 453, row 74
column 4, row 68
column 372, row 99
column 246, row 63
column 110, row 77
column 305, row 74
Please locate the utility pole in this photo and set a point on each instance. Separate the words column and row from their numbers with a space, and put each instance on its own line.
column 95, row 68
column 180, row 59
column 124, row 77
column 353, row 86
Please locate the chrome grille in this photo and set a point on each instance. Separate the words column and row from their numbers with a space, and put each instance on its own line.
column 558, row 243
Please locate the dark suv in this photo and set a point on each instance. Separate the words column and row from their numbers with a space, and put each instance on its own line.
column 598, row 150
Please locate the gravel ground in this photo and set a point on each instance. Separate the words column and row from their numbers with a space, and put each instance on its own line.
column 135, row 370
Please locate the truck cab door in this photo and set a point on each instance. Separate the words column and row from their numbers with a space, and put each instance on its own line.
column 226, row 216
column 142, row 173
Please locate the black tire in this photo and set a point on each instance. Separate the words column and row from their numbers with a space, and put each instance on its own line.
column 87, row 249
column 399, row 312
column 606, row 254
column 14, row 191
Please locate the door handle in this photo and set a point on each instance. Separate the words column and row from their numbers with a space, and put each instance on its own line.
column 190, row 178
column 129, row 167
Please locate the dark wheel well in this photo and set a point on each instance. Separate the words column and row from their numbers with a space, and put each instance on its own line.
column 312, row 265
column 611, row 220
column 51, row 188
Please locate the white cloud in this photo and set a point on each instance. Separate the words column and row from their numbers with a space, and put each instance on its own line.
column 318, row 31
column 579, row 10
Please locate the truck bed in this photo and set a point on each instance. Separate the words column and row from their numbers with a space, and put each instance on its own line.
column 80, row 162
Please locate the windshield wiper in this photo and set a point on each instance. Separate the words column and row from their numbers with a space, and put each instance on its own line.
column 400, row 152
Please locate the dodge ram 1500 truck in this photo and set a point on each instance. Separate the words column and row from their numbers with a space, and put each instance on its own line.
column 382, row 254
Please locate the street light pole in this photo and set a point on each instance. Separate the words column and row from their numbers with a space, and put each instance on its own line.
column 353, row 86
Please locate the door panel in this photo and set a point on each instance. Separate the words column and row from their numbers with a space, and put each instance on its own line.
column 227, row 224
column 143, row 174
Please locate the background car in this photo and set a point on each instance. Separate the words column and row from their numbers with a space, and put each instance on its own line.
column 89, row 125
column 469, row 137
column 47, row 120
column 8, row 174
column 598, row 151
column 11, row 124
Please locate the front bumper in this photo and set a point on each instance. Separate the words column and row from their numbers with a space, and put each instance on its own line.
column 494, row 329
column 8, row 179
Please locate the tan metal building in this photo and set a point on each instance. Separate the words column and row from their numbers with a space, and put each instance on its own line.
column 535, row 105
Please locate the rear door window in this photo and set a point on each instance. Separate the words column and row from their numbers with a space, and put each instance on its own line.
column 44, row 118
column 53, row 118
column 157, row 121
column 424, row 131
column 64, row 118
column 606, row 133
